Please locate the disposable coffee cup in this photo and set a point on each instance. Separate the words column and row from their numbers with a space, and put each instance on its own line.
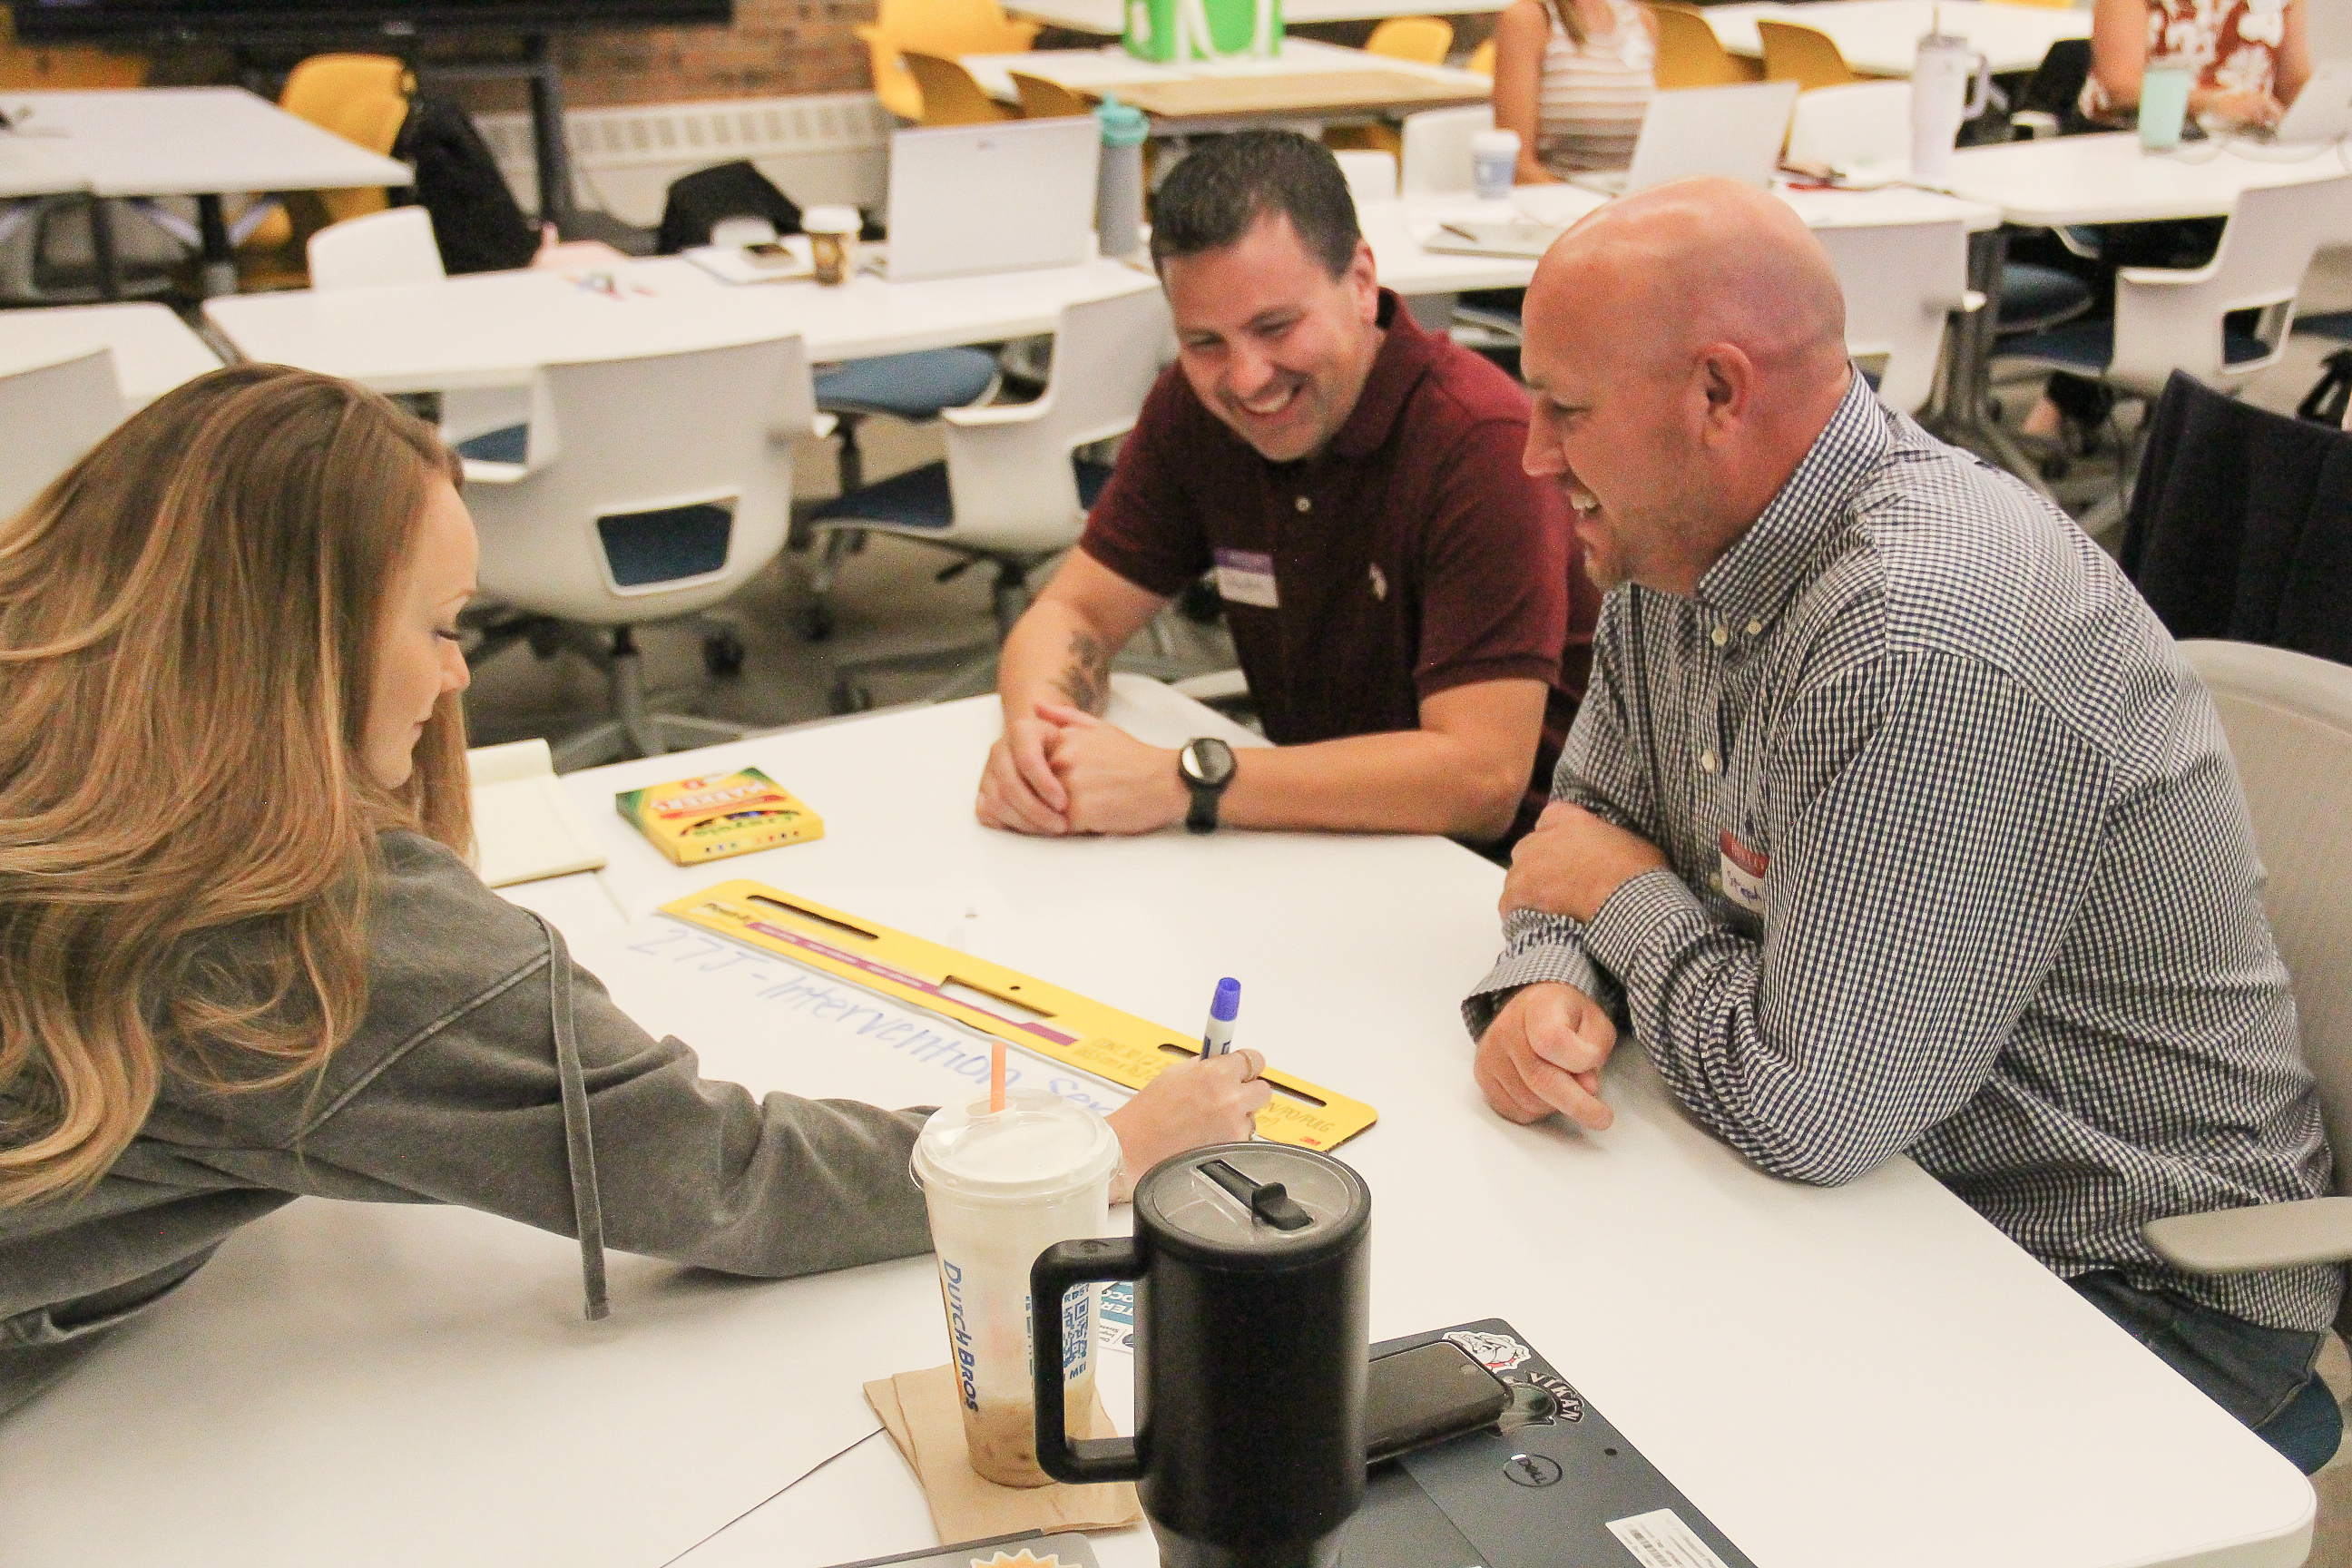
column 1002, row 1187
column 833, row 242
column 2164, row 103
column 1494, row 159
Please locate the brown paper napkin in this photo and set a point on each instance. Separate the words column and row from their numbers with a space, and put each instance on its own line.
column 920, row 1412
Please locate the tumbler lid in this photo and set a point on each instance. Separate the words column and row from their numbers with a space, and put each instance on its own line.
column 1123, row 124
column 1252, row 1205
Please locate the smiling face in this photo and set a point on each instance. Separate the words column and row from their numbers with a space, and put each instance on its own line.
column 1271, row 343
column 419, row 661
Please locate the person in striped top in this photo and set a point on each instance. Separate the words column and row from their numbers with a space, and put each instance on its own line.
column 1573, row 78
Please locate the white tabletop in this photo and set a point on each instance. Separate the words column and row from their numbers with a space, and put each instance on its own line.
column 192, row 141
column 492, row 329
column 153, row 350
column 31, row 166
column 1840, row 1378
column 1111, row 66
column 2109, row 179
column 1881, row 37
column 1106, row 16
column 1398, row 230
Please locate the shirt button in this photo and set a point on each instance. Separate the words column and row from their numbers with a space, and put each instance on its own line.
column 1706, row 761
column 1754, row 627
column 1715, row 880
column 1306, row 505
column 1719, row 637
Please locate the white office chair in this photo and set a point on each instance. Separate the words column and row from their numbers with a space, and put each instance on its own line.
column 53, row 414
column 1848, row 127
column 2289, row 720
column 1436, row 160
column 396, row 245
column 650, row 489
column 1371, row 173
column 1902, row 283
column 1013, row 492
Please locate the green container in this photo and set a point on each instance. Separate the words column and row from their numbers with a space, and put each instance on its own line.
column 1174, row 31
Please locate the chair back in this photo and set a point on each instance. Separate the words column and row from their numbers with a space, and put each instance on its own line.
column 53, row 414
column 25, row 70
column 364, row 99
column 1482, row 60
column 2288, row 717
column 951, row 96
column 1436, row 158
column 1371, row 175
column 1426, row 40
column 1841, row 127
column 652, row 487
column 1009, row 465
column 1043, row 99
column 1690, row 55
column 955, row 26
column 1902, row 282
column 395, row 246
column 2168, row 321
column 1806, row 56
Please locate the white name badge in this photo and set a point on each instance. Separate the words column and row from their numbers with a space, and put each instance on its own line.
column 1247, row 577
column 1742, row 871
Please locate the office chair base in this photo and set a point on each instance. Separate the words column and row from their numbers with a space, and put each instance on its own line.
column 637, row 728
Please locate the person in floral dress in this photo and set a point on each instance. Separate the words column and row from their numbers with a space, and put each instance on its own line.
column 2251, row 57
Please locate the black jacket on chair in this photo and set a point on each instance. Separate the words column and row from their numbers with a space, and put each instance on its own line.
column 2241, row 527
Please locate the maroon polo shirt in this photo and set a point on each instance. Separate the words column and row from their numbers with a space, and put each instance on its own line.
column 1410, row 556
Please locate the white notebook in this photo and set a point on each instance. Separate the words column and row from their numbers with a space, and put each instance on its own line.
column 525, row 826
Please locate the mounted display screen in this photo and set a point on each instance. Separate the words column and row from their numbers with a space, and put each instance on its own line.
column 163, row 21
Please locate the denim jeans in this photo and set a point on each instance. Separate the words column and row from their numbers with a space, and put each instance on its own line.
column 2262, row 1376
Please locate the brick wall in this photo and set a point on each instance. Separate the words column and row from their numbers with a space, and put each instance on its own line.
column 775, row 48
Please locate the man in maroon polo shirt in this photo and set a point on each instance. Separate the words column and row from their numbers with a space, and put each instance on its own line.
column 1410, row 608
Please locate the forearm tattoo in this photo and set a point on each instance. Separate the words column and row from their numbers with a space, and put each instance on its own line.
column 1086, row 679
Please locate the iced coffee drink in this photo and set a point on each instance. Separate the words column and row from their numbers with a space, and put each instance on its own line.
column 1002, row 1188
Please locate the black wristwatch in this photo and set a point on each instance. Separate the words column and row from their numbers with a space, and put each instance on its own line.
column 1206, row 766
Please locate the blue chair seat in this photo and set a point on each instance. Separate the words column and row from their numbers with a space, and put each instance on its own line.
column 511, row 445
column 2090, row 346
column 2036, row 297
column 2337, row 324
column 918, row 500
column 907, row 387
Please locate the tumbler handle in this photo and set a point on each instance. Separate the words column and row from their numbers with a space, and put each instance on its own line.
column 1060, row 1267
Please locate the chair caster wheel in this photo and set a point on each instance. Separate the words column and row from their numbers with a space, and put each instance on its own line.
column 815, row 621
column 849, row 697
column 723, row 654
column 2057, row 468
column 1992, row 409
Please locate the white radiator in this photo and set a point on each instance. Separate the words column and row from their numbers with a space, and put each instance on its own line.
column 828, row 147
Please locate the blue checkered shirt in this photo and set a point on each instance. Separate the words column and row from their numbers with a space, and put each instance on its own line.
column 2011, row 919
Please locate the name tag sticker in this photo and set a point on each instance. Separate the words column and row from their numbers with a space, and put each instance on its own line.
column 1247, row 577
column 1743, row 874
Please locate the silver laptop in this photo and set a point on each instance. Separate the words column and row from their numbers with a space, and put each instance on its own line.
column 1734, row 131
column 2322, row 112
column 969, row 199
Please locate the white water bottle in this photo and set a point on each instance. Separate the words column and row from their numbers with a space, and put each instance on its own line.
column 1949, row 85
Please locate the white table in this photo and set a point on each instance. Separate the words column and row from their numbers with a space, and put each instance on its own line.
column 153, row 351
column 1111, row 66
column 493, row 329
column 1840, row 1378
column 30, row 168
column 1108, row 16
column 200, row 142
column 1399, row 229
column 1881, row 37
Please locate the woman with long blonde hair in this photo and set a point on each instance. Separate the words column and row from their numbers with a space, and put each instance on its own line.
column 1573, row 78
column 241, row 957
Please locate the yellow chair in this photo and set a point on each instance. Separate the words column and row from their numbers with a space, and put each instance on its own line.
column 1482, row 60
column 2049, row 5
column 1425, row 40
column 951, row 96
column 364, row 99
column 1690, row 55
column 1043, row 99
column 30, row 70
column 1806, row 56
column 942, row 28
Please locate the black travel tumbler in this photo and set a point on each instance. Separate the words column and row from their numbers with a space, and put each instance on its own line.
column 1252, row 1269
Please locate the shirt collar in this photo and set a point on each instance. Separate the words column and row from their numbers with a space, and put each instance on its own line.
column 1752, row 582
column 1405, row 353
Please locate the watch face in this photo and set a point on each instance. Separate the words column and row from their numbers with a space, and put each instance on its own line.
column 1207, row 761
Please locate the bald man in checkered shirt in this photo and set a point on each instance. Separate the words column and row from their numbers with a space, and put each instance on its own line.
column 1894, row 821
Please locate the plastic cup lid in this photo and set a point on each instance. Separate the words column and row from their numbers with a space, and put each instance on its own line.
column 831, row 220
column 1495, row 141
column 1040, row 1143
column 1123, row 124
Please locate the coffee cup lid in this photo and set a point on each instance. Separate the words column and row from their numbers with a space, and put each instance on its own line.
column 831, row 220
column 1038, row 1144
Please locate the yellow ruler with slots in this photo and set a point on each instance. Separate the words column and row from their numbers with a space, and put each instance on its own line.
column 1017, row 1008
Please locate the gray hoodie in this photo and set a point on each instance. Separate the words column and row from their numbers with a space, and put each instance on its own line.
column 449, row 1092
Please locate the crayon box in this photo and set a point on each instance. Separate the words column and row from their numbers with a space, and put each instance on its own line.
column 710, row 819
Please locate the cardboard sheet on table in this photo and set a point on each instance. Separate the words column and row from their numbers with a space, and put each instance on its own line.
column 919, row 1411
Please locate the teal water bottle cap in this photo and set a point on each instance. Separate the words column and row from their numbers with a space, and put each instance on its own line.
column 1123, row 124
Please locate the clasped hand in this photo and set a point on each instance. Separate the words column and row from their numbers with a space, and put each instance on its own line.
column 1061, row 770
column 1572, row 861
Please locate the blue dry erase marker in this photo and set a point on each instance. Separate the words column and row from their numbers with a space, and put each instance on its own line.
column 1218, row 1037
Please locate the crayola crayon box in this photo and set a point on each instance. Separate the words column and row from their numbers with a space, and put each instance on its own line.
column 719, row 815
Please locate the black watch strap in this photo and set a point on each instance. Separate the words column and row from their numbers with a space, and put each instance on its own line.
column 1203, row 818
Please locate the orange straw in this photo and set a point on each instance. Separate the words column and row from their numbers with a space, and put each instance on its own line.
column 996, row 1076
